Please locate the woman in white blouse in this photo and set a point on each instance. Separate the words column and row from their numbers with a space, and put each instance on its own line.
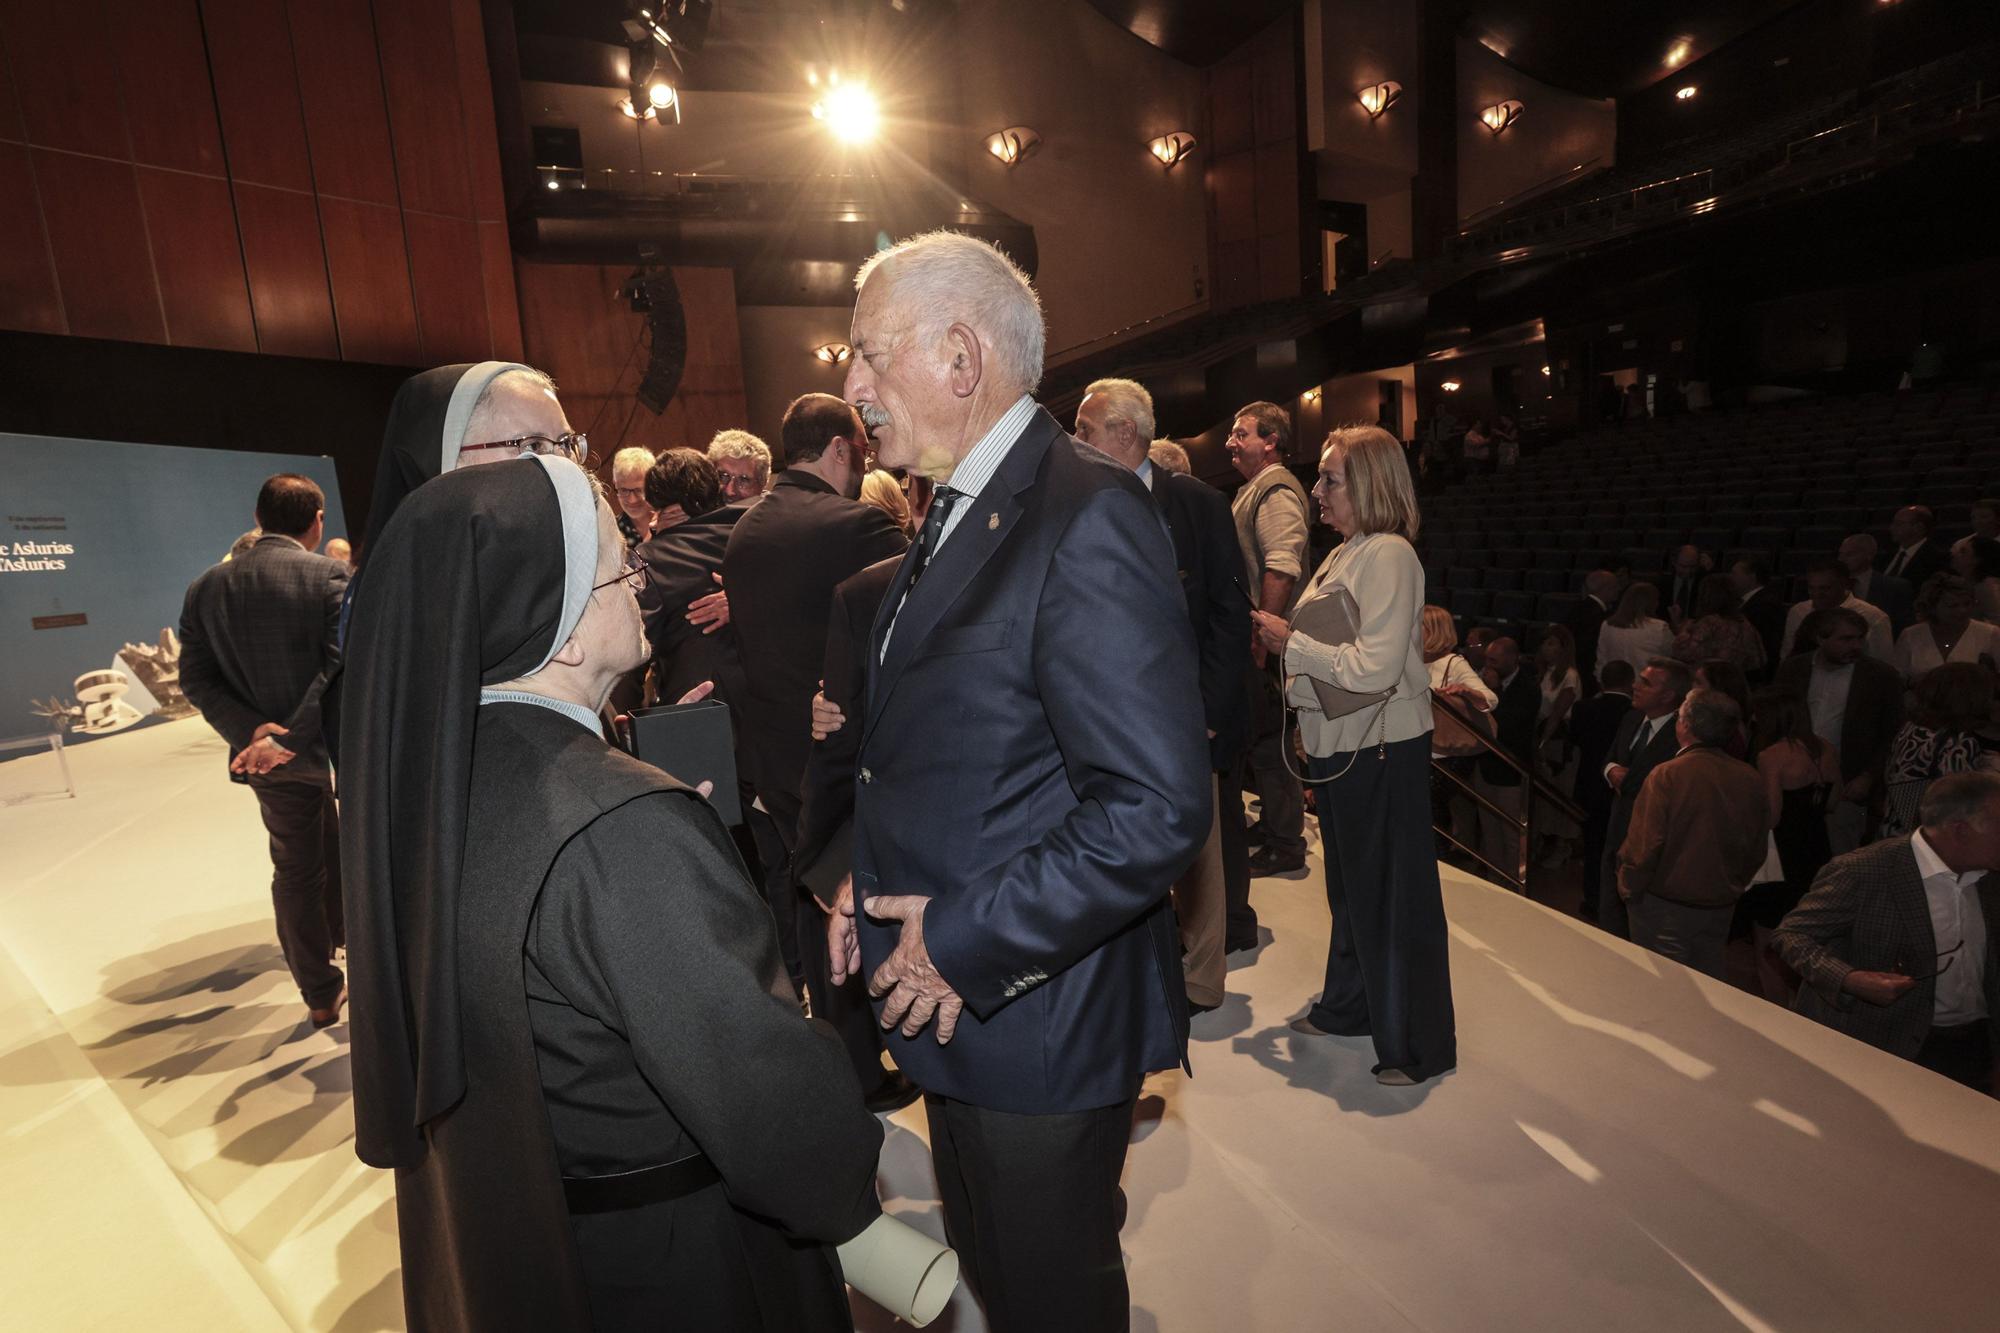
column 1946, row 631
column 1387, row 970
column 1632, row 633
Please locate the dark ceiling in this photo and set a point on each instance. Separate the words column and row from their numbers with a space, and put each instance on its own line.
column 1608, row 48
column 1196, row 32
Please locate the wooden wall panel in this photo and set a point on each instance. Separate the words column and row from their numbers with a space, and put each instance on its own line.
column 263, row 125
column 192, row 224
column 163, row 68
column 96, row 230
column 503, row 309
column 475, row 97
column 449, row 278
column 340, row 79
column 55, row 50
column 28, row 297
column 370, row 272
column 287, row 271
column 11, row 129
column 419, row 67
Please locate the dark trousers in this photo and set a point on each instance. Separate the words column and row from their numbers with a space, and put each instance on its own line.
column 1239, row 929
column 1963, row 1054
column 1031, row 1206
column 1611, row 911
column 301, row 820
column 1388, row 970
column 844, row 1008
column 1284, row 814
column 772, row 869
column 1595, row 824
column 1693, row 936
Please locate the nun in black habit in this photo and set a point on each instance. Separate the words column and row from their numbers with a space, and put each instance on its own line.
column 573, row 1039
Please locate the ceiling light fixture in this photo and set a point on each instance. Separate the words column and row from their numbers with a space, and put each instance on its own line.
column 1379, row 97
column 1500, row 117
column 1013, row 144
column 850, row 112
column 1172, row 148
column 833, row 354
column 1450, row 386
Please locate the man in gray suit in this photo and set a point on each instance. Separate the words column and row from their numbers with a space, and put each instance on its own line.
column 258, row 640
column 1893, row 597
column 1892, row 942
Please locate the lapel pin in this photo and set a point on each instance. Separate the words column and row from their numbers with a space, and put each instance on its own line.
column 992, row 522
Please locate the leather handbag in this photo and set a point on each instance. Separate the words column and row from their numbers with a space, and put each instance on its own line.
column 1449, row 736
column 1332, row 618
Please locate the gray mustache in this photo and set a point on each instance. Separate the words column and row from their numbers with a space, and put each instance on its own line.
column 873, row 416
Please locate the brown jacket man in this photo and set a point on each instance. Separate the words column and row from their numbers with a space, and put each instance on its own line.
column 1698, row 831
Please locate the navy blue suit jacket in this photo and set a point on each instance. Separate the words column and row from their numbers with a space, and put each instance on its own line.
column 1034, row 760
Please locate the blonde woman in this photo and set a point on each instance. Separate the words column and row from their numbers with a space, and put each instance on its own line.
column 1387, row 972
column 882, row 490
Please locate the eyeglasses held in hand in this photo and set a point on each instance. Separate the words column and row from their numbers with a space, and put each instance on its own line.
column 1937, row 971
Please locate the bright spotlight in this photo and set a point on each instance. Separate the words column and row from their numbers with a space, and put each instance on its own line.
column 662, row 95
column 850, row 111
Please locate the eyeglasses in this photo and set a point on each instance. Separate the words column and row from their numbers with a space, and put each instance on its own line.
column 575, row 446
column 634, row 578
column 1949, row 956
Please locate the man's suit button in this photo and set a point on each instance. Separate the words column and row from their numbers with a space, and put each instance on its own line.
column 866, row 776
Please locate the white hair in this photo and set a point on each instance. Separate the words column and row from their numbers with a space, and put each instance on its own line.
column 1126, row 401
column 946, row 278
column 482, row 409
column 742, row 444
column 1169, row 455
column 632, row 458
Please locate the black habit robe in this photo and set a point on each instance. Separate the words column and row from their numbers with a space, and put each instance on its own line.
column 625, row 1006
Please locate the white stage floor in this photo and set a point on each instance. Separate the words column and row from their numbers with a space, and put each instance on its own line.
column 1625, row 1145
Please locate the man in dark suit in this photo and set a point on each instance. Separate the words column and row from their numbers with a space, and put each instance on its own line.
column 1916, row 556
column 1586, row 624
column 683, row 563
column 1593, row 726
column 1212, row 899
column 259, row 636
column 1021, row 812
column 1685, row 572
column 1750, row 576
column 1645, row 740
column 1856, row 703
column 780, row 566
column 1520, row 702
column 1893, row 597
column 1894, row 943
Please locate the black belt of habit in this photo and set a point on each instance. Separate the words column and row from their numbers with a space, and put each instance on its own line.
column 635, row 1189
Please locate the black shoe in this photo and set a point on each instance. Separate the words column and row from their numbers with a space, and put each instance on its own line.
column 893, row 1093
column 1271, row 862
column 1194, row 1008
column 1253, row 834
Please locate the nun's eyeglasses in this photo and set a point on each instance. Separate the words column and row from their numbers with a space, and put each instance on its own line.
column 574, row 446
column 634, row 579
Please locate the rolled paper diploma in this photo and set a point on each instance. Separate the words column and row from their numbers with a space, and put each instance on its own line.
column 900, row 1269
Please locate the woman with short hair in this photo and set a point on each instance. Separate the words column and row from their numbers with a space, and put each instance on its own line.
column 1632, row 633
column 1388, row 974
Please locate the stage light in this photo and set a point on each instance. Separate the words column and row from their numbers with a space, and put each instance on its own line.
column 642, row 111
column 662, row 95
column 1450, row 386
column 1379, row 97
column 1687, row 93
column 1500, row 117
column 850, row 111
column 1012, row 145
column 834, row 354
column 1172, row 148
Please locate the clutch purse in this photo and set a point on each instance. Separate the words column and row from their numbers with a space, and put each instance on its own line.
column 1331, row 619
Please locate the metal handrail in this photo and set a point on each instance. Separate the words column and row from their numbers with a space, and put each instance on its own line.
column 1532, row 784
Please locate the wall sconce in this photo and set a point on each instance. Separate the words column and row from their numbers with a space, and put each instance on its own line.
column 834, row 354
column 1500, row 117
column 1311, row 395
column 1450, row 386
column 1685, row 94
column 1171, row 148
column 1012, row 145
column 1379, row 97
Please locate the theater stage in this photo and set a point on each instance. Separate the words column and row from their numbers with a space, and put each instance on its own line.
column 1625, row 1145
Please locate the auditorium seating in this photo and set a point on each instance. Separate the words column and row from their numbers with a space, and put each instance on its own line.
column 1786, row 482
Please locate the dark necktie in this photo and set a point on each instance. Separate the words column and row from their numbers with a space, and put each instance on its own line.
column 943, row 500
column 1895, row 569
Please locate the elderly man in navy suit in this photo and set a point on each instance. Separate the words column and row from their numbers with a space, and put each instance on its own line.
column 1018, row 816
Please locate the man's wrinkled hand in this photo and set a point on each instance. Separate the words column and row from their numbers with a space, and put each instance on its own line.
column 1879, row 988
column 711, row 613
column 843, row 939
column 261, row 755
column 826, row 716
column 915, row 993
